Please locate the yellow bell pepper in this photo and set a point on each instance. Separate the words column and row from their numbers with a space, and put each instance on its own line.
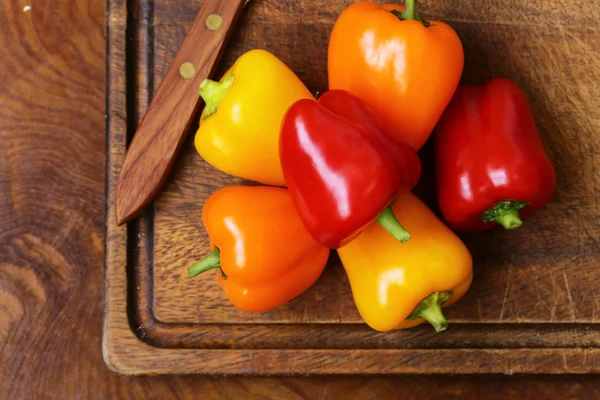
column 399, row 285
column 239, row 127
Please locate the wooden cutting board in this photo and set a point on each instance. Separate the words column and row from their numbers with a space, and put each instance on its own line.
column 533, row 306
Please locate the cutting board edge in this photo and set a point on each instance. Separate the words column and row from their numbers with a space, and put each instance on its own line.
column 125, row 353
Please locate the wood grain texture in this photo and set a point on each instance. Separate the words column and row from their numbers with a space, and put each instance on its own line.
column 562, row 235
column 51, row 244
column 156, row 143
column 534, row 288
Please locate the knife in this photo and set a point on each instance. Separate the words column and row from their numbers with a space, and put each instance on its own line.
column 163, row 129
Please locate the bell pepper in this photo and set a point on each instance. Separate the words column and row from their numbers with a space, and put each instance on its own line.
column 351, row 107
column 404, row 67
column 398, row 286
column 264, row 255
column 239, row 127
column 340, row 173
column 491, row 164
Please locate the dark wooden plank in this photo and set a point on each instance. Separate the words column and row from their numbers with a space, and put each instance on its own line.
column 50, row 315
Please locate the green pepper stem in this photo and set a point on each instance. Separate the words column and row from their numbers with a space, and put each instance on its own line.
column 510, row 219
column 430, row 309
column 213, row 92
column 388, row 221
column 410, row 13
column 211, row 261
column 506, row 213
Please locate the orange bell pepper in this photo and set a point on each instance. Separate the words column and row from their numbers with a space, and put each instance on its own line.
column 406, row 69
column 265, row 255
column 397, row 285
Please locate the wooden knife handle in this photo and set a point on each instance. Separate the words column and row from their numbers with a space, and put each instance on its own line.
column 161, row 133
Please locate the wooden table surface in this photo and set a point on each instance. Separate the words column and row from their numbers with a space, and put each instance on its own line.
column 52, row 140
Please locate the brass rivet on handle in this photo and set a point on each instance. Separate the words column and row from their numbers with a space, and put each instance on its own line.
column 187, row 70
column 214, row 22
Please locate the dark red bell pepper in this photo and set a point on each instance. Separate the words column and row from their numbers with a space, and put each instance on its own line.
column 491, row 165
column 341, row 169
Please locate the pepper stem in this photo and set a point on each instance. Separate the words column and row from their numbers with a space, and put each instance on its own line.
column 506, row 213
column 430, row 310
column 388, row 221
column 211, row 261
column 212, row 93
column 410, row 13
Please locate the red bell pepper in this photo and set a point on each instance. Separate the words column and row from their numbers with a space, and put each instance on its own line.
column 491, row 165
column 341, row 169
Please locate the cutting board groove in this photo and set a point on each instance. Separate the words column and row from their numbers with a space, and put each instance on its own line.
column 533, row 304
